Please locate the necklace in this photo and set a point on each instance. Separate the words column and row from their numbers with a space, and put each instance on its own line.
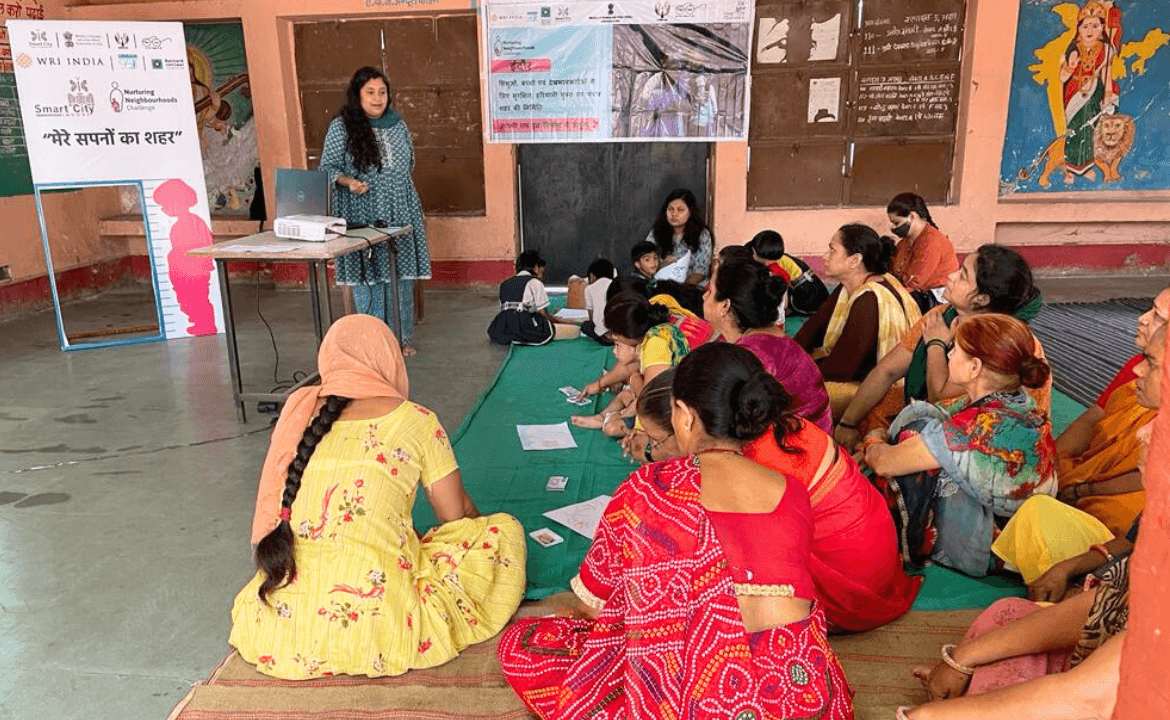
column 729, row 451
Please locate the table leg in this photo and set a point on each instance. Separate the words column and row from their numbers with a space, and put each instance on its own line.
column 328, row 295
column 315, row 298
column 397, row 326
column 225, row 294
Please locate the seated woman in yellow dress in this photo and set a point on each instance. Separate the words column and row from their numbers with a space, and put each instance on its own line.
column 345, row 585
column 863, row 319
column 1098, row 453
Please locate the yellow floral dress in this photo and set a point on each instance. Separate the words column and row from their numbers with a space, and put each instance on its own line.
column 370, row 597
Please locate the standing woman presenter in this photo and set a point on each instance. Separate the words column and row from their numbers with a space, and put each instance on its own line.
column 369, row 155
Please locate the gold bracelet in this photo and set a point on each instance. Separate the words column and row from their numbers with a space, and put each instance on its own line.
column 949, row 660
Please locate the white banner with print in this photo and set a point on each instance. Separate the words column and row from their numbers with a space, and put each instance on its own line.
column 583, row 70
column 110, row 103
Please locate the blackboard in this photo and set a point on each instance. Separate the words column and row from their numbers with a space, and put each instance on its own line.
column 903, row 30
column 907, row 101
column 15, row 176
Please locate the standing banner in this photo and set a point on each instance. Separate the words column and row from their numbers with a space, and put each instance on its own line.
column 582, row 70
column 109, row 103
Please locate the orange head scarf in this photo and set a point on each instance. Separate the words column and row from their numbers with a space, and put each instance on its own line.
column 359, row 359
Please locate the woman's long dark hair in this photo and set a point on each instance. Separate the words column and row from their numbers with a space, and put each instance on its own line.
column 754, row 292
column 905, row 203
column 360, row 142
column 734, row 395
column 274, row 553
column 1005, row 277
column 631, row 315
column 664, row 233
column 689, row 297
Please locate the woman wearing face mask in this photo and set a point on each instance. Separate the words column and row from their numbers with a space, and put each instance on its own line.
column 924, row 256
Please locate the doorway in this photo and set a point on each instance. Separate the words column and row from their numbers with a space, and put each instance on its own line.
column 582, row 201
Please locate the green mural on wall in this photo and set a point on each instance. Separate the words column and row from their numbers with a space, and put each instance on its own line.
column 223, row 113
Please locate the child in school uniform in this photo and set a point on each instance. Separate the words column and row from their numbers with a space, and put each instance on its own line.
column 601, row 276
column 646, row 259
column 806, row 291
column 524, row 318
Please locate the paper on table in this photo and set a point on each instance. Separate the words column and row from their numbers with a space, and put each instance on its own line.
column 258, row 248
column 546, row 437
column 582, row 517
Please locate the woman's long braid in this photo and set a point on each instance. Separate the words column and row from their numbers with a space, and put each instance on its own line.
column 274, row 553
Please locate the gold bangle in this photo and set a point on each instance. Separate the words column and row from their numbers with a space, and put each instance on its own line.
column 949, row 660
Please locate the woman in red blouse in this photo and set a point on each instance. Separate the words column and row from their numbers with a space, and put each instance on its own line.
column 924, row 256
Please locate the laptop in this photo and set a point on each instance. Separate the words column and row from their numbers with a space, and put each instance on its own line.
column 303, row 192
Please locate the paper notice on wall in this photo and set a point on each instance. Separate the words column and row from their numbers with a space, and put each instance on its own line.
column 824, row 100
column 826, row 39
column 772, row 41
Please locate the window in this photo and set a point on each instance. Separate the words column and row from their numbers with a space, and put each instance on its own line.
column 852, row 98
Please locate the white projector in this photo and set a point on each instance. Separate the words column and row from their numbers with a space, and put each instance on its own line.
column 314, row 228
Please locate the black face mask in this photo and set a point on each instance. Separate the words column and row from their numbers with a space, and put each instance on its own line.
column 902, row 230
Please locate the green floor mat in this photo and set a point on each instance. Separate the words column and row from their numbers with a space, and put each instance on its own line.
column 946, row 589
column 503, row 478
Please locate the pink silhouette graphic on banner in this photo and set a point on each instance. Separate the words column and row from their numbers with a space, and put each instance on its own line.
column 190, row 276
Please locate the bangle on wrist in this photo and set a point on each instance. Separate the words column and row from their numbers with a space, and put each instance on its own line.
column 847, row 426
column 936, row 341
column 1103, row 550
column 950, row 660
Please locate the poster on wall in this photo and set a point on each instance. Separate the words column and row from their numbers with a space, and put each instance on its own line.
column 109, row 103
column 583, row 71
column 1090, row 98
column 223, row 115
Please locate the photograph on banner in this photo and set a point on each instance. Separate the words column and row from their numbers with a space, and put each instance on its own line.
column 588, row 71
column 1090, row 98
column 111, row 102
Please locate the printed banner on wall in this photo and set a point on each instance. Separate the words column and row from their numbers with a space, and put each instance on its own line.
column 1090, row 98
column 583, row 71
column 110, row 103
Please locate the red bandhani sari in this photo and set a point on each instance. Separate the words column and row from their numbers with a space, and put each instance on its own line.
column 669, row 641
column 855, row 562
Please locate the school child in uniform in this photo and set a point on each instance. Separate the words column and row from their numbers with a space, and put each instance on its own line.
column 524, row 318
column 601, row 276
column 806, row 291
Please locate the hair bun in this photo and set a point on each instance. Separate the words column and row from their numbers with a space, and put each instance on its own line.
column 1034, row 372
column 756, row 406
column 888, row 248
column 774, row 290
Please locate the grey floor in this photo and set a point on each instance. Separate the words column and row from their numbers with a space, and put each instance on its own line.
column 126, row 492
column 126, row 487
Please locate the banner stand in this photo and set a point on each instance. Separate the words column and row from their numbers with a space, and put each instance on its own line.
column 63, row 337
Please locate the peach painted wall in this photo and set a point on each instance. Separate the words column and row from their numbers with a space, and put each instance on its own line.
column 268, row 39
column 978, row 216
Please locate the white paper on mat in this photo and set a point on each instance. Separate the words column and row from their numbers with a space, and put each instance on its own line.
column 582, row 517
column 571, row 314
column 546, row 437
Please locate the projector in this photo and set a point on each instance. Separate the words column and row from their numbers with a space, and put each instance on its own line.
column 314, row 228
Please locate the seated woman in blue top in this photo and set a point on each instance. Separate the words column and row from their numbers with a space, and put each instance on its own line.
column 683, row 239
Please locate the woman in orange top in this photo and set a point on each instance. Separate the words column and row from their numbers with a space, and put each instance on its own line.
column 924, row 256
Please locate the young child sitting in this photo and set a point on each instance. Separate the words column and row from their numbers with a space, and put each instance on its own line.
column 806, row 291
column 524, row 318
column 601, row 276
column 646, row 259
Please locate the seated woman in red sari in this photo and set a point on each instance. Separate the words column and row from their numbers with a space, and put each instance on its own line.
column 855, row 563
column 695, row 599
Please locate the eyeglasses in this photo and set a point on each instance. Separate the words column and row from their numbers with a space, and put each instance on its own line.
column 655, row 444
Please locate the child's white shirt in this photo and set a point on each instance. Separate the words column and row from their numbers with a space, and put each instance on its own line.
column 595, row 303
column 535, row 296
